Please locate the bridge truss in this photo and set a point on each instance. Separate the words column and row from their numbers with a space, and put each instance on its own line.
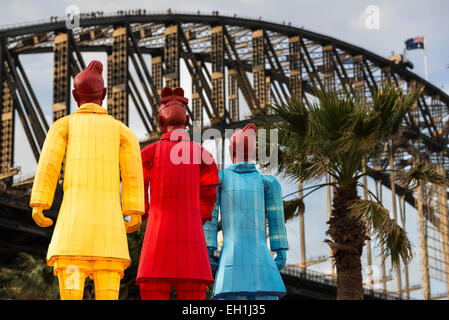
column 236, row 67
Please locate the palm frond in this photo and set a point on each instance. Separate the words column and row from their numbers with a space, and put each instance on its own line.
column 392, row 105
column 293, row 208
column 386, row 230
column 294, row 115
column 424, row 172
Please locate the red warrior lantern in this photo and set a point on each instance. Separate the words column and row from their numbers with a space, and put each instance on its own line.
column 182, row 177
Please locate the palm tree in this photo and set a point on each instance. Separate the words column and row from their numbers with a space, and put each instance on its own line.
column 334, row 135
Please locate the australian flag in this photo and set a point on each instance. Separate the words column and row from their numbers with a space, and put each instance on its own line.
column 414, row 43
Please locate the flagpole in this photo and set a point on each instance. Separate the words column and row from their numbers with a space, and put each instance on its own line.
column 425, row 59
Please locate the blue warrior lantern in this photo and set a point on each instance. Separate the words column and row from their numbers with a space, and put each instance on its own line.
column 246, row 269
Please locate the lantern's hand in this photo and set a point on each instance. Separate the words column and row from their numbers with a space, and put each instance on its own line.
column 281, row 258
column 132, row 222
column 213, row 264
column 40, row 219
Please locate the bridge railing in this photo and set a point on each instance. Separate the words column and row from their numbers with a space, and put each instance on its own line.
column 22, row 177
column 24, row 24
column 132, row 12
column 322, row 278
column 310, row 275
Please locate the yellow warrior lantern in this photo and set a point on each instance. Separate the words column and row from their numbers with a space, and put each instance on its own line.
column 89, row 238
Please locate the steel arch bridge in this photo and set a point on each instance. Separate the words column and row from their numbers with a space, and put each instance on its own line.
column 236, row 66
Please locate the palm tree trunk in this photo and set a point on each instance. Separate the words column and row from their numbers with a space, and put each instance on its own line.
column 348, row 237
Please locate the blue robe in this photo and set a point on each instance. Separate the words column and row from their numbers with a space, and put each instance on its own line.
column 246, row 266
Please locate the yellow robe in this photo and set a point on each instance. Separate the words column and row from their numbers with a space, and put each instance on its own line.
column 98, row 149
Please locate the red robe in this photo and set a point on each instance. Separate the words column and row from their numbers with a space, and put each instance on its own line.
column 183, row 194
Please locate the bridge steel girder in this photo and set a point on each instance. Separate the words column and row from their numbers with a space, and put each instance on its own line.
column 29, row 88
column 203, row 65
column 245, row 86
column 218, row 71
column 197, row 105
column 7, row 119
column 259, row 78
column 233, row 95
column 118, row 75
column 75, row 58
column 61, row 75
column 427, row 112
column 150, row 97
column 295, row 62
column 155, row 97
column 328, row 68
column 79, row 58
column 158, row 75
column 33, row 118
column 197, row 75
column 136, row 97
column 373, row 81
column 154, row 85
column 359, row 77
column 35, row 148
column 276, row 69
column 197, row 83
column 343, row 76
column 313, row 74
column 172, row 56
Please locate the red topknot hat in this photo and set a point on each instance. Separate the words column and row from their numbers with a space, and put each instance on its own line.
column 247, row 138
column 89, row 82
column 172, row 97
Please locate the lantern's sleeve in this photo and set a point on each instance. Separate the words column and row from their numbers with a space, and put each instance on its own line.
column 208, row 185
column 49, row 165
column 275, row 213
column 210, row 227
column 147, row 160
column 131, row 172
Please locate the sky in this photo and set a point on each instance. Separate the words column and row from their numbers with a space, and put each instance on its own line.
column 344, row 20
